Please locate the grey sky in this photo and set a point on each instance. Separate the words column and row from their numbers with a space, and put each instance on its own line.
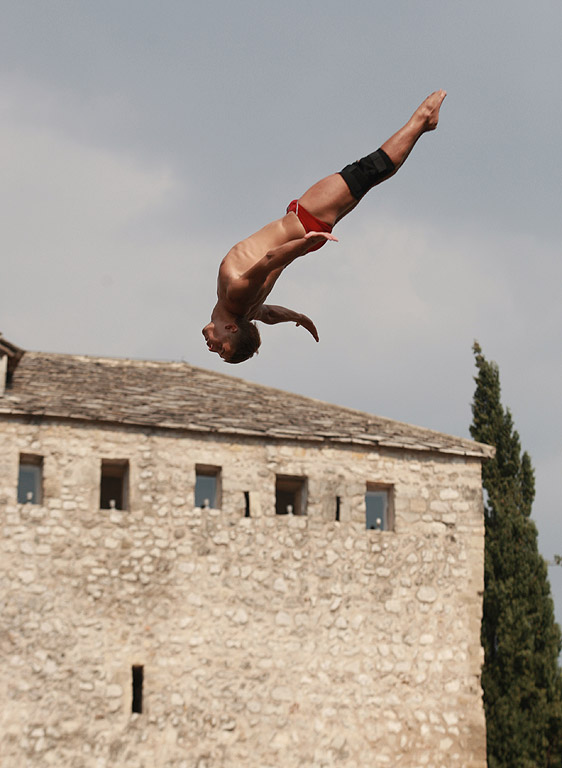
column 140, row 140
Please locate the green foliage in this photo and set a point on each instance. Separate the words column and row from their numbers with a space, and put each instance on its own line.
column 521, row 677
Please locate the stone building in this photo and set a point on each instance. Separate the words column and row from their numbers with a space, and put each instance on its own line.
column 198, row 571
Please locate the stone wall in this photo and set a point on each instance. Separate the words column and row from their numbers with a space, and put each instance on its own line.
column 266, row 641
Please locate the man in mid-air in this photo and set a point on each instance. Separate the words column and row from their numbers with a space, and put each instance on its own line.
column 250, row 269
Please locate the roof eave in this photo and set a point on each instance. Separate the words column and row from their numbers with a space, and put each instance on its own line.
column 477, row 450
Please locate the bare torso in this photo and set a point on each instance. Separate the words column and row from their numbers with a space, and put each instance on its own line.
column 246, row 254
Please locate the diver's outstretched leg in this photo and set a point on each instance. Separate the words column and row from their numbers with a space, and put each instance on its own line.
column 333, row 197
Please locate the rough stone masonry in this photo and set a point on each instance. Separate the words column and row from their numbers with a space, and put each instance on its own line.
column 269, row 640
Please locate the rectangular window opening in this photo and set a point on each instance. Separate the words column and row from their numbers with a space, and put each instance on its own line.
column 138, row 678
column 290, row 495
column 207, row 486
column 338, row 508
column 246, row 503
column 379, row 507
column 114, row 484
column 30, row 479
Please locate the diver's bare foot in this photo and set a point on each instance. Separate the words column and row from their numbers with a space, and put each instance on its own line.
column 427, row 114
column 425, row 118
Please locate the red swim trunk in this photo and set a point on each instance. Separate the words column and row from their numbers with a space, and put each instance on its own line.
column 309, row 222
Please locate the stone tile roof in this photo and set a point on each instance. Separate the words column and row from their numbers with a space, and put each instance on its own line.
column 181, row 396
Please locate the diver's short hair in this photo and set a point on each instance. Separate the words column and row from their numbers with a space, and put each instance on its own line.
column 245, row 342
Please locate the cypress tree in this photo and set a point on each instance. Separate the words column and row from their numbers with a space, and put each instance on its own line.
column 521, row 678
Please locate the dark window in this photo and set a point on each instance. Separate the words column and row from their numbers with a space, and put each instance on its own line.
column 114, row 484
column 247, row 503
column 379, row 511
column 30, row 479
column 290, row 495
column 138, row 678
column 338, row 508
column 207, row 486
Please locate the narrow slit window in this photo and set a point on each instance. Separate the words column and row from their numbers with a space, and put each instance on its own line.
column 30, row 479
column 114, row 490
column 207, row 486
column 379, row 508
column 338, row 508
column 138, row 679
column 290, row 495
column 246, row 503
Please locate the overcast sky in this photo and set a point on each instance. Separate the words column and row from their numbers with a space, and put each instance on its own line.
column 140, row 140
